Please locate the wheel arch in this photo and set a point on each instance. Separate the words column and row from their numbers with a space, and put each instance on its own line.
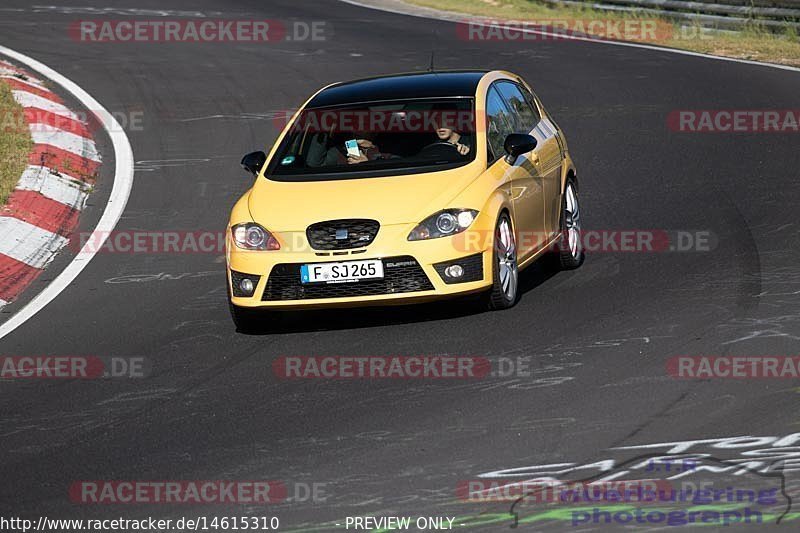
column 570, row 176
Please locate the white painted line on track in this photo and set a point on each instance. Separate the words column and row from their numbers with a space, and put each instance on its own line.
column 120, row 192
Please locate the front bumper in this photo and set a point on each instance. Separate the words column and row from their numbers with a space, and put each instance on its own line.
column 411, row 273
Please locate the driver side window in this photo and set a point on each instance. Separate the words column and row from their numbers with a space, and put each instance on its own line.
column 498, row 123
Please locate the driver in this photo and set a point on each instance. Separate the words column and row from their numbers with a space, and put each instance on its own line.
column 446, row 133
column 453, row 137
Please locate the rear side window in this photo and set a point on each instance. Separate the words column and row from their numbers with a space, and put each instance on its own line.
column 499, row 123
column 532, row 101
column 525, row 116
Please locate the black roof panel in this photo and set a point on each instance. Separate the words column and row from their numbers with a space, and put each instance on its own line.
column 401, row 86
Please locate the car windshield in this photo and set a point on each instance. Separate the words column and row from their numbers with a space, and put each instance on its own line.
column 377, row 138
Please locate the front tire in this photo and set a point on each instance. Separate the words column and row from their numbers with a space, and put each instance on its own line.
column 571, row 253
column 505, row 271
column 244, row 319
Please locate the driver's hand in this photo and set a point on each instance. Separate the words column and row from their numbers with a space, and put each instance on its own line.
column 463, row 149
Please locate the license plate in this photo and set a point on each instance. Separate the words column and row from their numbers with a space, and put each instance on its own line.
column 345, row 272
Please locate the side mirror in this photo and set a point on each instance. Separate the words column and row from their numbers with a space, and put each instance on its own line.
column 253, row 162
column 517, row 144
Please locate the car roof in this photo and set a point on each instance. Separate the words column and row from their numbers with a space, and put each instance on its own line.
column 442, row 84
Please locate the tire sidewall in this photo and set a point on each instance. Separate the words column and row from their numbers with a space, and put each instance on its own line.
column 566, row 259
column 497, row 298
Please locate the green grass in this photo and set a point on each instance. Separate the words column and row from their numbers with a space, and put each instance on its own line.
column 15, row 142
column 753, row 43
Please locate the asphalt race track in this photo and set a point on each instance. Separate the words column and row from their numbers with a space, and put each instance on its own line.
column 598, row 338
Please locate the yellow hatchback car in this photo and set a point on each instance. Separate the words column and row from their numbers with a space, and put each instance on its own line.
column 400, row 189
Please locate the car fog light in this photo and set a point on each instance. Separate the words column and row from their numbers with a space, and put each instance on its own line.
column 454, row 271
column 247, row 286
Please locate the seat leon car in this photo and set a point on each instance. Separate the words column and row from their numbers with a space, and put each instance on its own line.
column 402, row 189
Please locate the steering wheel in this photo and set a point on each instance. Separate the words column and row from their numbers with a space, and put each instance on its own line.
column 438, row 149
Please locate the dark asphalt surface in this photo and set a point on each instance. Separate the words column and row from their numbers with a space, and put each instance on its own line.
column 212, row 408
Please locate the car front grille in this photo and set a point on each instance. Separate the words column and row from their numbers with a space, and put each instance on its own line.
column 342, row 234
column 401, row 274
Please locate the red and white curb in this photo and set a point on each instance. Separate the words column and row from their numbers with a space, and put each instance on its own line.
column 43, row 209
column 117, row 199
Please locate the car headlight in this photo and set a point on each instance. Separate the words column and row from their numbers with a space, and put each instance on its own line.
column 443, row 224
column 252, row 236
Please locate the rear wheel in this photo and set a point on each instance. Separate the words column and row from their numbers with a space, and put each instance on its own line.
column 504, row 291
column 571, row 253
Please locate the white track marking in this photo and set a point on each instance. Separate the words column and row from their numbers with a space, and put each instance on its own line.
column 62, row 189
column 123, row 182
column 26, row 99
column 456, row 17
column 27, row 243
column 71, row 142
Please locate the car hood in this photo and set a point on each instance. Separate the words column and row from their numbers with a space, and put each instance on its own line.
column 293, row 206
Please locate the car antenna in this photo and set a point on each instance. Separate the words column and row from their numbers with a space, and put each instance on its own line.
column 433, row 50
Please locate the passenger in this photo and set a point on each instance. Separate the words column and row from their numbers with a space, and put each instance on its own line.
column 369, row 151
column 320, row 156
